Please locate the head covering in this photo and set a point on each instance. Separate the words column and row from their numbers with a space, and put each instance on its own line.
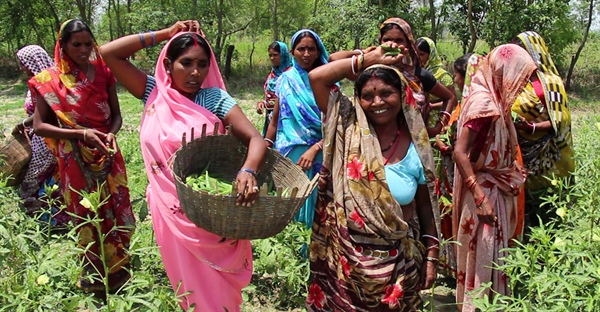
column 407, row 30
column 285, row 61
column 299, row 116
column 434, row 61
column 35, row 59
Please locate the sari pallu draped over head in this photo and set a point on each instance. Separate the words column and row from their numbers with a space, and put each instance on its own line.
column 79, row 104
column 436, row 65
column 494, row 87
column 363, row 253
column 212, row 268
column 285, row 62
column 35, row 59
column 545, row 153
column 299, row 116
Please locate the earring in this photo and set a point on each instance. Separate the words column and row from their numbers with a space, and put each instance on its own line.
column 168, row 72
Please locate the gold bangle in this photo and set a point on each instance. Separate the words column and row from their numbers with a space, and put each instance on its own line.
column 85, row 135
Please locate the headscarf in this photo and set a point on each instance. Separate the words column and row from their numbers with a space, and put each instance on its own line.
column 435, row 65
column 35, row 59
column 556, row 103
column 167, row 116
column 285, row 61
column 299, row 116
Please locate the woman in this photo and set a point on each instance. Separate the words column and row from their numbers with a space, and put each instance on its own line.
column 398, row 31
column 281, row 60
column 207, row 271
column 296, row 124
column 544, row 124
column 42, row 166
column 374, row 243
column 431, row 60
column 485, row 215
column 78, row 111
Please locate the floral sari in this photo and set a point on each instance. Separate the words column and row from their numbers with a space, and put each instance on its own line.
column 550, row 152
column 494, row 87
column 364, row 256
column 79, row 104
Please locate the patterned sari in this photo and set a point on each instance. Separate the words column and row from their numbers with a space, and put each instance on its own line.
column 545, row 152
column 364, row 256
column 494, row 87
column 285, row 62
column 299, row 124
column 79, row 104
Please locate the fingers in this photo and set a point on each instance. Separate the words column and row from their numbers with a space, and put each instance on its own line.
column 247, row 189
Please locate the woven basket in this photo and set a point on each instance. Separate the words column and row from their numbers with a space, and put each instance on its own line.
column 224, row 155
column 15, row 154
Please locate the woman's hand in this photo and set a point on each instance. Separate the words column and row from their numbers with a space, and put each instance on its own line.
column 260, row 107
column 247, row 188
column 111, row 143
column 485, row 212
column 428, row 274
column 189, row 25
column 443, row 147
column 306, row 160
column 96, row 139
column 377, row 55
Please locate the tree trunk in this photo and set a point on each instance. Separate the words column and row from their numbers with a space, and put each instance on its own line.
column 581, row 46
column 109, row 14
column 228, row 57
column 82, row 12
column 220, row 40
column 194, row 8
column 252, row 52
column 314, row 12
column 471, row 27
column 54, row 14
column 130, row 25
column 432, row 17
column 275, row 22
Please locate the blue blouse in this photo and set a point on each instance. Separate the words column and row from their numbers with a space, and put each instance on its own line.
column 216, row 100
column 405, row 176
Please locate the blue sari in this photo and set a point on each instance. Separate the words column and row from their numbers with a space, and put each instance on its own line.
column 299, row 124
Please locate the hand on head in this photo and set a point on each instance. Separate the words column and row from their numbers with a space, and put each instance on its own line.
column 189, row 25
column 386, row 55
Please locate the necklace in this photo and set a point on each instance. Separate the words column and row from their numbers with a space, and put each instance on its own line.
column 387, row 159
column 391, row 143
column 87, row 70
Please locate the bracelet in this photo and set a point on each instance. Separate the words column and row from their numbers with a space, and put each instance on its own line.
column 361, row 60
column 354, row 58
column 142, row 39
column 153, row 38
column 23, row 123
column 359, row 51
column 85, row 135
column 269, row 141
column 432, row 259
column 480, row 201
column 532, row 132
column 250, row 171
column 320, row 145
column 430, row 236
column 444, row 113
column 470, row 181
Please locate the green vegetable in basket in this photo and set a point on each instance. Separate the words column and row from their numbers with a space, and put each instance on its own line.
column 204, row 182
column 516, row 118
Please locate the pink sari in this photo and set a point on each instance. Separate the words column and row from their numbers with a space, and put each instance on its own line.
column 494, row 88
column 206, row 270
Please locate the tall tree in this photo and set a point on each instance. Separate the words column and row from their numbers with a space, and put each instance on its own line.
column 581, row 45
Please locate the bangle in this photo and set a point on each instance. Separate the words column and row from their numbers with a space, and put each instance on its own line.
column 250, row 171
column 533, row 124
column 142, row 39
column 432, row 259
column 23, row 123
column 480, row 201
column 354, row 58
column 359, row 51
column 153, row 38
column 470, row 181
column 269, row 141
column 361, row 60
column 319, row 145
column 85, row 135
column 430, row 236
